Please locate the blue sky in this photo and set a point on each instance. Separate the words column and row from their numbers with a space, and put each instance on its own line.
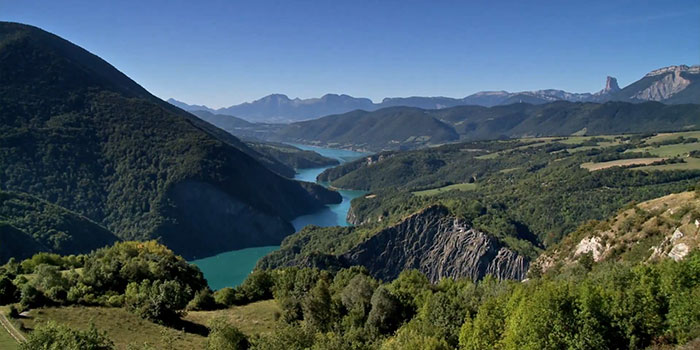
column 221, row 53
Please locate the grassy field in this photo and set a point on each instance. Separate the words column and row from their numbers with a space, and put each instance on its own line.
column 671, row 151
column 489, row 156
column 455, row 187
column 6, row 341
column 254, row 318
column 509, row 170
column 675, row 150
column 122, row 327
column 620, row 162
column 609, row 140
column 674, row 135
column 690, row 164
column 126, row 329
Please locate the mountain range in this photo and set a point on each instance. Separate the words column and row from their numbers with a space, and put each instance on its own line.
column 85, row 150
column 409, row 127
column 670, row 85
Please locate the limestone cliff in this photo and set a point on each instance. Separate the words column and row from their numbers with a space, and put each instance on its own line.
column 431, row 241
column 664, row 88
column 666, row 227
column 439, row 246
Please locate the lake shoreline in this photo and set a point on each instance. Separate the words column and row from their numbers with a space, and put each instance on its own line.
column 229, row 269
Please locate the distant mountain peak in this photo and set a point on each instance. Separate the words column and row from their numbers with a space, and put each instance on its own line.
column 670, row 85
column 675, row 69
column 275, row 97
column 610, row 86
column 189, row 107
column 664, row 88
column 490, row 93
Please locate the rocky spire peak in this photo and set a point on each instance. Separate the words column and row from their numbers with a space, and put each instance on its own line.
column 611, row 85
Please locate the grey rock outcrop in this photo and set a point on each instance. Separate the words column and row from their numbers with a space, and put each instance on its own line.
column 438, row 245
column 611, row 86
column 669, row 85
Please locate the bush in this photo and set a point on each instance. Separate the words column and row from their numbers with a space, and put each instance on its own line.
column 8, row 291
column 203, row 300
column 51, row 259
column 13, row 312
column 158, row 301
column 31, row 297
column 257, row 286
column 52, row 336
column 224, row 336
column 410, row 339
column 228, row 297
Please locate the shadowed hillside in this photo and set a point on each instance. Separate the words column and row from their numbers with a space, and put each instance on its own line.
column 80, row 134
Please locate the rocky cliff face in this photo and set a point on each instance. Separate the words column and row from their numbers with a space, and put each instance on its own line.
column 439, row 246
column 664, row 88
column 662, row 228
column 611, row 86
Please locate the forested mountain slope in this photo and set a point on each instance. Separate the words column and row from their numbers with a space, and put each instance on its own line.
column 47, row 227
column 487, row 207
column 406, row 128
column 80, row 134
column 282, row 158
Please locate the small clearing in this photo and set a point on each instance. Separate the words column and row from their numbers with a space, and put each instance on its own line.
column 455, row 187
column 620, row 162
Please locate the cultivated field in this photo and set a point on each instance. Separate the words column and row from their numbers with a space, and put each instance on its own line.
column 675, row 150
column 455, row 187
column 620, row 162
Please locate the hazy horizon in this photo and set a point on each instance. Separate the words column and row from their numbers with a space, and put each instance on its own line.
column 221, row 53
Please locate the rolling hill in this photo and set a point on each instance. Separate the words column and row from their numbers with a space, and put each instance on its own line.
column 406, row 127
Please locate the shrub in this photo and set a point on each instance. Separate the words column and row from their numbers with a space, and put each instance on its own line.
column 8, row 291
column 224, row 336
column 31, row 297
column 228, row 296
column 113, row 268
column 52, row 336
column 257, row 286
column 203, row 300
column 13, row 312
column 158, row 301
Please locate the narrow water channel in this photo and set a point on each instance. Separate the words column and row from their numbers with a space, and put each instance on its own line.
column 229, row 269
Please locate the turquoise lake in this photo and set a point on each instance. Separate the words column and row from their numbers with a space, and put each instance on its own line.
column 229, row 269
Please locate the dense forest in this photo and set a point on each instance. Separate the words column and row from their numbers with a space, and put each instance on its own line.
column 49, row 227
column 586, row 305
column 81, row 135
column 528, row 194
